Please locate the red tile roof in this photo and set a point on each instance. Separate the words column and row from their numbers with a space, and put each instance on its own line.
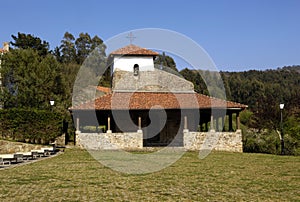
column 133, row 50
column 104, row 89
column 150, row 100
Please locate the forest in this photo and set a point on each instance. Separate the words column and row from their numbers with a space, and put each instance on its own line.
column 32, row 75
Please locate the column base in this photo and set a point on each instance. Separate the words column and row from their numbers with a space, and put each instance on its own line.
column 185, row 130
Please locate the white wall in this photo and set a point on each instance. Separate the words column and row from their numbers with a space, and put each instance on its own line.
column 126, row 63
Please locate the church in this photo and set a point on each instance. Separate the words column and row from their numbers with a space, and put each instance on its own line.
column 147, row 106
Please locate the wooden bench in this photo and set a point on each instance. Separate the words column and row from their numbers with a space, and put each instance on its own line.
column 48, row 150
column 3, row 162
column 12, row 157
column 28, row 155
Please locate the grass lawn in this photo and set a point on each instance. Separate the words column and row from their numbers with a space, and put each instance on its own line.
column 76, row 176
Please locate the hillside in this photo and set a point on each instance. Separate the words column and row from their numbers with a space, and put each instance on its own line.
column 262, row 91
column 292, row 68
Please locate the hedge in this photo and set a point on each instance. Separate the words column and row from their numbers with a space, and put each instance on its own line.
column 30, row 125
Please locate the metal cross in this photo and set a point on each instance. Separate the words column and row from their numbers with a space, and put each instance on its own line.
column 131, row 37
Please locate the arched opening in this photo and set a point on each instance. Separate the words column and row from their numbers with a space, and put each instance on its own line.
column 136, row 70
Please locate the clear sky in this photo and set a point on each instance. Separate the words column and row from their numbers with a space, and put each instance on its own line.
column 238, row 34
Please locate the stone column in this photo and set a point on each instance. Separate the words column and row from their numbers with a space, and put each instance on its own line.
column 185, row 122
column 212, row 123
column 140, row 135
column 77, row 133
column 108, row 125
column 140, row 125
column 186, row 134
column 185, row 127
column 77, row 124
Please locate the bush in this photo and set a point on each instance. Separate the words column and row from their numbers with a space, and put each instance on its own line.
column 266, row 141
column 30, row 125
column 246, row 117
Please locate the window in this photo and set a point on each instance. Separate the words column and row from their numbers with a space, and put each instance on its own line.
column 136, row 70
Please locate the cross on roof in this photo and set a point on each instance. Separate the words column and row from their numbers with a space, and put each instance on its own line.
column 131, row 37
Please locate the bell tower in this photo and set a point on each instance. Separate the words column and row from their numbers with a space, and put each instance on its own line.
column 132, row 58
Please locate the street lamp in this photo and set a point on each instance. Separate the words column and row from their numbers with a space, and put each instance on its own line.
column 281, row 106
column 51, row 102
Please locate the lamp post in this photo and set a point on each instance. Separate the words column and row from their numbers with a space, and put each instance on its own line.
column 51, row 102
column 52, row 130
column 281, row 106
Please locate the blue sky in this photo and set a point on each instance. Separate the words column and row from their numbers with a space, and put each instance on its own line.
column 237, row 34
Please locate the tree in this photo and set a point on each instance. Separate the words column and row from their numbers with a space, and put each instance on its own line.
column 83, row 47
column 68, row 49
column 96, row 43
column 28, row 41
column 56, row 53
column 97, row 58
column 31, row 80
column 164, row 60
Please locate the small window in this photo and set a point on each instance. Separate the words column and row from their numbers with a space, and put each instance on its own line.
column 136, row 70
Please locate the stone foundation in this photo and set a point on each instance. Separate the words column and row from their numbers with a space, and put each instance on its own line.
column 219, row 141
column 110, row 141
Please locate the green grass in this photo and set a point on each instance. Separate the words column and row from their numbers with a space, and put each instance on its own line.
column 76, row 176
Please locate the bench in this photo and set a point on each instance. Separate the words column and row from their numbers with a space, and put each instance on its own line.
column 39, row 153
column 18, row 157
column 12, row 157
column 48, row 150
column 3, row 162
column 28, row 155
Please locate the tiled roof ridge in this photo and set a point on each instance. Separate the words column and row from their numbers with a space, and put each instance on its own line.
column 157, row 92
column 227, row 101
column 132, row 49
column 104, row 89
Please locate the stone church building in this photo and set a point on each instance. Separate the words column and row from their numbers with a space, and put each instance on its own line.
column 149, row 107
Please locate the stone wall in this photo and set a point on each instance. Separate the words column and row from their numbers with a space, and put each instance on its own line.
column 61, row 140
column 110, row 141
column 150, row 81
column 220, row 141
column 8, row 147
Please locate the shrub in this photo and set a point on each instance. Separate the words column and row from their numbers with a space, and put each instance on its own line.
column 30, row 125
column 266, row 141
